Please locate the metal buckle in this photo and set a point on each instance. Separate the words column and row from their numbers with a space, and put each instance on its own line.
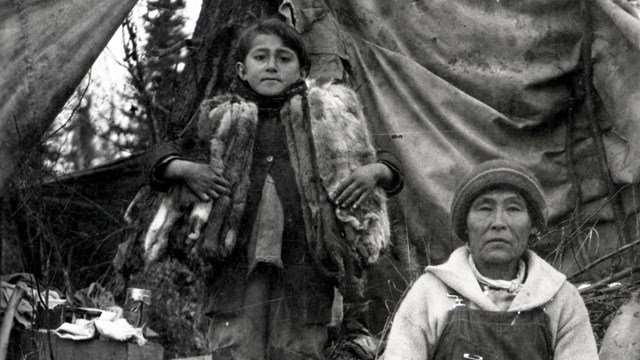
column 458, row 300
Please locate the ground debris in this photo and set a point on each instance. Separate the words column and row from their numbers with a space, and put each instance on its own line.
column 603, row 304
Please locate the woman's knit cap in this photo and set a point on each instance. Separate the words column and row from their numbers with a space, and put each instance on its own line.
column 493, row 175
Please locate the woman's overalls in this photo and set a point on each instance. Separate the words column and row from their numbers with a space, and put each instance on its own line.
column 493, row 335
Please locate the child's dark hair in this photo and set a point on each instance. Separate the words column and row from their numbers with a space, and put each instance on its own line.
column 289, row 36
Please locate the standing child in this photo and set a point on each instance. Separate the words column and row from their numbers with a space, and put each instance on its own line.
column 273, row 199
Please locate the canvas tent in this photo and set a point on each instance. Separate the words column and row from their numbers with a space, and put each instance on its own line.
column 46, row 48
column 445, row 85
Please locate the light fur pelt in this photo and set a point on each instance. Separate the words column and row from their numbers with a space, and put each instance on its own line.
column 228, row 124
column 155, row 213
column 343, row 144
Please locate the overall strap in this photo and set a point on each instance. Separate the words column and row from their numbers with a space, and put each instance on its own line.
column 482, row 335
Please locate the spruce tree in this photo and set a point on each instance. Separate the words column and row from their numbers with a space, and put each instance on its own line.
column 154, row 70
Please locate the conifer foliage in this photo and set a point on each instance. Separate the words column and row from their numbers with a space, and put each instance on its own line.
column 154, row 69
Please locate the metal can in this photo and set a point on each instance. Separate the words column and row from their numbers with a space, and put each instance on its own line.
column 134, row 305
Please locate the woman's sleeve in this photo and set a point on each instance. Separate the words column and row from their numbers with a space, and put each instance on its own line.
column 408, row 335
column 574, row 338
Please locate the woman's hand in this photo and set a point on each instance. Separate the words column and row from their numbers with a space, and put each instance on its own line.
column 353, row 190
column 203, row 179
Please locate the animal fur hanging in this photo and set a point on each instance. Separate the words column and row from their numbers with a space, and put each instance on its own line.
column 231, row 127
column 341, row 143
column 342, row 241
column 228, row 125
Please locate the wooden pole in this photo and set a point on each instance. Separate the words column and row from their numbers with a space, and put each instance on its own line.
column 7, row 320
column 613, row 195
column 608, row 280
column 603, row 258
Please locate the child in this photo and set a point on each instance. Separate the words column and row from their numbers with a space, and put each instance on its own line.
column 270, row 295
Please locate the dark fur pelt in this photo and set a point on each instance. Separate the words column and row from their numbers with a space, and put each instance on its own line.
column 208, row 228
column 231, row 127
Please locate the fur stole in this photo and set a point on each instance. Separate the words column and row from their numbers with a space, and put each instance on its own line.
column 329, row 118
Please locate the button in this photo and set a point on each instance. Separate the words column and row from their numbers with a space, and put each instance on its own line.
column 269, row 158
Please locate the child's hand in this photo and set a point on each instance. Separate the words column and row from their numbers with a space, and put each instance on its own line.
column 353, row 190
column 204, row 180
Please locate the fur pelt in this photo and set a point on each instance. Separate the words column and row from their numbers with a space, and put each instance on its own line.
column 337, row 144
column 231, row 126
column 151, row 217
column 228, row 124
column 342, row 145
column 341, row 240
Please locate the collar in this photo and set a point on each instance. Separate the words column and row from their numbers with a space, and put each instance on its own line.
column 267, row 105
column 512, row 286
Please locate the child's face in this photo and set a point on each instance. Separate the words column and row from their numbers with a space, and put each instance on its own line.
column 270, row 67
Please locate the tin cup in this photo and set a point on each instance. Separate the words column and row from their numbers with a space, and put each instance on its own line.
column 134, row 305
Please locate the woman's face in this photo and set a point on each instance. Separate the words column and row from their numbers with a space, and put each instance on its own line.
column 499, row 228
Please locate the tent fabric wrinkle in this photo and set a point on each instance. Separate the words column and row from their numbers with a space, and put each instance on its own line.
column 616, row 50
column 46, row 48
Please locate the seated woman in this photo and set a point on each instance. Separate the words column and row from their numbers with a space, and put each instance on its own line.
column 493, row 298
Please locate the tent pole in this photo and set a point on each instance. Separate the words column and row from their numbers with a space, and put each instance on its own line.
column 596, row 132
